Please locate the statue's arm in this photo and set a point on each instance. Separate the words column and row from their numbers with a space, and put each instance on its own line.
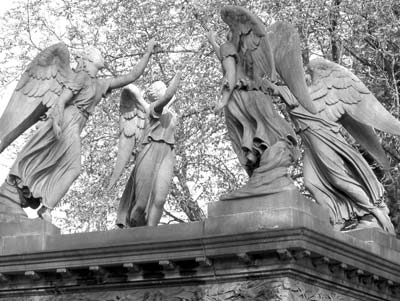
column 285, row 94
column 229, row 65
column 228, row 82
column 57, row 112
column 173, row 86
column 212, row 38
column 137, row 71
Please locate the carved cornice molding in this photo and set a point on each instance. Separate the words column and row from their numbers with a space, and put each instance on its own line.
column 115, row 263
column 292, row 240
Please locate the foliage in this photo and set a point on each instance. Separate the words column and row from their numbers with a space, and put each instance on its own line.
column 362, row 35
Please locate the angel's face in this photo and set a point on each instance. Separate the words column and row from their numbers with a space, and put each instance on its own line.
column 156, row 91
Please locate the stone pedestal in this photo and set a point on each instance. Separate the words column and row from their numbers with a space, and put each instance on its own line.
column 276, row 248
column 25, row 236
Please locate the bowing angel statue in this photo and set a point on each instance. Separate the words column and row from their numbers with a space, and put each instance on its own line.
column 146, row 131
column 335, row 173
column 51, row 160
column 251, row 59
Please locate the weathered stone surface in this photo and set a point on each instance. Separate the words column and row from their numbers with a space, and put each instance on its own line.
column 275, row 211
column 26, row 236
column 28, row 227
column 139, row 235
column 377, row 236
column 290, row 198
column 280, row 218
column 280, row 252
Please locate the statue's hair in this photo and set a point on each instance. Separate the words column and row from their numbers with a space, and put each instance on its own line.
column 91, row 54
column 158, row 86
column 156, row 90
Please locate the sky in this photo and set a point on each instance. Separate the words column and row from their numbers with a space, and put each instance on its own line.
column 5, row 5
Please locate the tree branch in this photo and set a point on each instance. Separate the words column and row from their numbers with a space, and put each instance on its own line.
column 360, row 59
column 29, row 27
column 175, row 218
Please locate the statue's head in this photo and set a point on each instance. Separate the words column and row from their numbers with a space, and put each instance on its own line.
column 156, row 91
column 93, row 55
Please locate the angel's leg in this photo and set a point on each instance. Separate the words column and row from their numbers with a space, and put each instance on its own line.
column 10, row 204
column 362, row 199
column 343, row 191
column 67, row 167
column 161, row 188
column 143, row 179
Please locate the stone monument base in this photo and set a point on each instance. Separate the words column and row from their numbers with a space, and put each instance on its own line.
column 279, row 247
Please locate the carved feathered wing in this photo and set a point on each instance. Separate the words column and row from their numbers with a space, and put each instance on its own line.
column 38, row 89
column 249, row 37
column 340, row 96
column 268, row 52
column 133, row 118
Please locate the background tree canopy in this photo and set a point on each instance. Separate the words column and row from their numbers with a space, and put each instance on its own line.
column 362, row 35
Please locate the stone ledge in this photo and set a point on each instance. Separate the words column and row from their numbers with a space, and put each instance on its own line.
column 28, row 227
column 282, row 241
column 298, row 253
column 290, row 198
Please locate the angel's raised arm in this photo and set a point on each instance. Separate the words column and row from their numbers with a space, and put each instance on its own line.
column 169, row 93
column 212, row 38
column 137, row 71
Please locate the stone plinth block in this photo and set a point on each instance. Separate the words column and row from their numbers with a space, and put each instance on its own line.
column 26, row 236
column 276, row 211
column 28, row 227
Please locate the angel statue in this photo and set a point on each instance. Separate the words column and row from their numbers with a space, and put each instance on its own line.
column 65, row 98
column 335, row 173
column 146, row 131
column 251, row 59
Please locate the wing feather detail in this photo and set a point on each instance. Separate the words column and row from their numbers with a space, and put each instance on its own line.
column 133, row 119
column 250, row 38
column 37, row 90
column 344, row 98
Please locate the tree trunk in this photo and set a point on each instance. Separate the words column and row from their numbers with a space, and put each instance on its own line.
column 334, row 21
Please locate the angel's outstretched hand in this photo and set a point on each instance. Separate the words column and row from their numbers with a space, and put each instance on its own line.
column 135, row 90
column 152, row 45
column 218, row 108
column 212, row 36
column 221, row 103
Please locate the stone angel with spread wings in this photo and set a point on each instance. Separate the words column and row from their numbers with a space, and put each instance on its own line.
column 51, row 160
column 335, row 173
column 147, row 131
column 252, row 58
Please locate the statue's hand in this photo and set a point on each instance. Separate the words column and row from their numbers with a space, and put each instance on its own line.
column 212, row 36
column 222, row 102
column 152, row 45
column 57, row 116
column 219, row 107
column 135, row 91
